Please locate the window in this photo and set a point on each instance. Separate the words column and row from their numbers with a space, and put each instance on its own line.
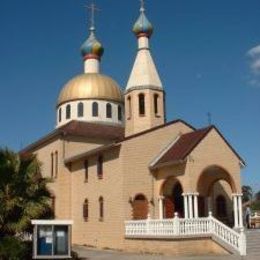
column 100, row 167
column 155, row 101
column 53, row 203
column 86, row 170
column 119, row 113
column 85, row 210
column 56, row 164
column 52, row 165
column 141, row 104
column 109, row 110
column 101, row 209
column 68, row 112
column 129, row 106
column 80, row 109
column 95, row 109
column 60, row 115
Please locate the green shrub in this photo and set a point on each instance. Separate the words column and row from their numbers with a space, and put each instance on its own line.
column 12, row 248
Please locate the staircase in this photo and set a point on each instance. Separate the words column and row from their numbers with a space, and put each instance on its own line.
column 253, row 242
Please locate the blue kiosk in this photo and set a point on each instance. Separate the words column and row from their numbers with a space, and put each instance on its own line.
column 52, row 239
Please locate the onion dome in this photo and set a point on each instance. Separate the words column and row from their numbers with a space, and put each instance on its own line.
column 90, row 86
column 92, row 48
column 143, row 27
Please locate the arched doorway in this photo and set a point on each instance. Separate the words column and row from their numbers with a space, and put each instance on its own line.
column 140, row 207
column 221, row 207
column 215, row 187
column 173, row 199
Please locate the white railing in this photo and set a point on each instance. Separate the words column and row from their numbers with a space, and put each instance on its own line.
column 180, row 227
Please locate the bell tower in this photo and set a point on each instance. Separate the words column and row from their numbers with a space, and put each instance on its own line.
column 144, row 94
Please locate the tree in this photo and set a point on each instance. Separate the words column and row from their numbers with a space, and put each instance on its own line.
column 23, row 193
column 247, row 193
column 257, row 196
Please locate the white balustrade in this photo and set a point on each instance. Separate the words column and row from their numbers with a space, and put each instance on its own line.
column 186, row 227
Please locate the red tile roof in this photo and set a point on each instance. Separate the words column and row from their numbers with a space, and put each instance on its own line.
column 77, row 128
column 185, row 145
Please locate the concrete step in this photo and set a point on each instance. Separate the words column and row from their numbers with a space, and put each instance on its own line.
column 253, row 242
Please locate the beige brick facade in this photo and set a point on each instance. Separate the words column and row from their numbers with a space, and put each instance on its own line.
column 212, row 169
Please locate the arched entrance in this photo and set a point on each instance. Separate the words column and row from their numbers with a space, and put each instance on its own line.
column 173, row 199
column 140, row 207
column 215, row 187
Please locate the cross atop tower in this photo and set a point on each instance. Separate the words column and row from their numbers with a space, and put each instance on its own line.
column 92, row 9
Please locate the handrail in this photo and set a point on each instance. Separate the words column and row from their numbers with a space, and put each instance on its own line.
column 180, row 227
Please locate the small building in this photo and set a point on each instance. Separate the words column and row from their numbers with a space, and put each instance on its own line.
column 113, row 158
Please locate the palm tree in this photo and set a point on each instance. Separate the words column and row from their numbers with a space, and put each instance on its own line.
column 23, row 193
column 247, row 193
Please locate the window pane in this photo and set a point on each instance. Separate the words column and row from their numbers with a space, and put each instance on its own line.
column 86, row 170
column 129, row 113
column 85, row 210
column 156, row 104
column 119, row 113
column 109, row 111
column 95, row 109
column 68, row 112
column 100, row 167
column 45, row 240
column 60, row 115
column 141, row 104
column 61, row 240
column 80, row 109
column 101, row 208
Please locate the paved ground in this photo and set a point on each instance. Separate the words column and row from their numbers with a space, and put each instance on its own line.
column 92, row 254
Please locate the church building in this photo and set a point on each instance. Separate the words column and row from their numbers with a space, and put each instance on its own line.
column 129, row 179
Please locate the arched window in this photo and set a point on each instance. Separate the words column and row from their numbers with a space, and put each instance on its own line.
column 60, row 115
column 129, row 107
column 80, row 109
column 155, row 102
column 100, row 167
column 95, row 109
column 140, row 207
column 101, row 209
column 221, row 206
column 86, row 170
column 68, row 112
column 53, row 203
column 56, row 164
column 52, row 165
column 109, row 110
column 119, row 113
column 85, row 210
column 141, row 104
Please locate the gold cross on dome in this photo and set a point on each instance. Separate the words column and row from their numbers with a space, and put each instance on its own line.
column 93, row 9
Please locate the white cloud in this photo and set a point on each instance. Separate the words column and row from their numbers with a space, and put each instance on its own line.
column 255, row 66
column 254, row 63
column 254, row 52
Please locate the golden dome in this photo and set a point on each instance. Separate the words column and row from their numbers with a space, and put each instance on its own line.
column 90, row 86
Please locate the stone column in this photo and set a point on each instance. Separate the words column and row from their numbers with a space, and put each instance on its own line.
column 161, row 207
column 240, row 211
column 190, row 206
column 235, row 210
column 209, row 204
column 196, row 209
column 185, row 200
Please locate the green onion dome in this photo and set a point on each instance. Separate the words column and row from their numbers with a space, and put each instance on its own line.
column 92, row 48
column 142, row 26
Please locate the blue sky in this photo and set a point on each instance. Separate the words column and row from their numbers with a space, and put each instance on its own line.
column 202, row 50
